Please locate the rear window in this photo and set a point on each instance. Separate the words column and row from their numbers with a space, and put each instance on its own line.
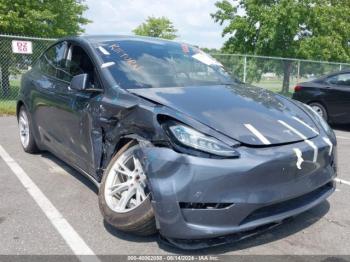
column 146, row 64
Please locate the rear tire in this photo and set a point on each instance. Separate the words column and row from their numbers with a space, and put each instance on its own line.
column 26, row 131
column 134, row 215
column 320, row 109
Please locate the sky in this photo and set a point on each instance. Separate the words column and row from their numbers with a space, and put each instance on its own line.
column 190, row 17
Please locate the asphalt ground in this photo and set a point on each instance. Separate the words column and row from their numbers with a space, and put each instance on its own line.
column 47, row 208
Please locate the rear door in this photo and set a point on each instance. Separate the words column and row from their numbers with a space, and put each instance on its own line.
column 45, row 99
column 338, row 97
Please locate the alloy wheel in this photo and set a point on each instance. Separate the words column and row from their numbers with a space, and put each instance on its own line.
column 24, row 128
column 125, row 187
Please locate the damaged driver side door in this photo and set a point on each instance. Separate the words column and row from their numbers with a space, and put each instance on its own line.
column 79, row 108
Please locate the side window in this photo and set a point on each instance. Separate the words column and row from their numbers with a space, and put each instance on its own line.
column 78, row 62
column 341, row 80
column 53, row 59
column 332, row 80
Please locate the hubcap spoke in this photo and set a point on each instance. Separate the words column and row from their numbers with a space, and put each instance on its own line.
column 118, row 188
column 138, row 197
column 124, row 172
column 124, row 200
column 141, row 193
column 137, row 164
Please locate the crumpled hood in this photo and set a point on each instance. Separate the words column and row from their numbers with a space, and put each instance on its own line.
column 250, row 115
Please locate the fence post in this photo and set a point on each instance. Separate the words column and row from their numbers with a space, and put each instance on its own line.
column 298, row 72
column 245, row 69
column 340, row 67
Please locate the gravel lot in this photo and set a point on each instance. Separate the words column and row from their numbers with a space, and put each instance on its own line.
column 25, row 229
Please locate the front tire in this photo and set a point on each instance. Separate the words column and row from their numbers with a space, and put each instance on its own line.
column 124, row 198
column 26, row 132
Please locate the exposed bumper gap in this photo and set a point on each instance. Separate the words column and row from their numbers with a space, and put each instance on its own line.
column 191, row 205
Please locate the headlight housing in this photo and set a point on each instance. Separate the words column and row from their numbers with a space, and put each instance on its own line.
column 189, row 137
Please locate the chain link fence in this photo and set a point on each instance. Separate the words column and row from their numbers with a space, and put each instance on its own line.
column 17, row 55
column 275, row 73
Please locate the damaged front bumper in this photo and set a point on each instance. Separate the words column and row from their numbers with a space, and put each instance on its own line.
column 201, row 198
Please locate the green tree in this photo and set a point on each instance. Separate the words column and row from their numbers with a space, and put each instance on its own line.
column 46, row 18
column 310, row 29
column 160, row 27
column 210, row 50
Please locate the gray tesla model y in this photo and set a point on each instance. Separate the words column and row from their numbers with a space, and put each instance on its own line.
column 173, row 141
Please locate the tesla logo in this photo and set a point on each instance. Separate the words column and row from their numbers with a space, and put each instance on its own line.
column 299, row 155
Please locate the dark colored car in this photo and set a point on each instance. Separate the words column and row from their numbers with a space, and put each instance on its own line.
column 329, row 96
column 173, row 142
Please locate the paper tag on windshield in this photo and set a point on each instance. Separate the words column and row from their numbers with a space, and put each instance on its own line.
column 205, row 59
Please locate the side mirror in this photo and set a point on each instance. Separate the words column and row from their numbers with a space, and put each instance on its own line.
column 80, row 82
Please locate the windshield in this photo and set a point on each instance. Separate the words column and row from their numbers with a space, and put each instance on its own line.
column 147, row 63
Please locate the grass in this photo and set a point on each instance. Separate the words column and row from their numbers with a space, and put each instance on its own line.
column 7, row 107
column 275, row 85
column 8, row 104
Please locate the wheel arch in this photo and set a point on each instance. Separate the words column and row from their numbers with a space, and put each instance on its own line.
column 111, row 149
column 122, row 142
column 19, row 104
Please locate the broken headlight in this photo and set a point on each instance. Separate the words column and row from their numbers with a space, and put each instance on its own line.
column 191, row 138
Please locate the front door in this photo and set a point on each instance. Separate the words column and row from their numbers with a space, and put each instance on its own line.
column 77, row 111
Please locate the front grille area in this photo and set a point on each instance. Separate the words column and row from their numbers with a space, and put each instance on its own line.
column 288, row 205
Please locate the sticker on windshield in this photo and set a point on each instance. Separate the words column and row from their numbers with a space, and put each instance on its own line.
column 205, row 59
column 185, row 48
column 108, row 64
column 125, row 57
column 103, row 51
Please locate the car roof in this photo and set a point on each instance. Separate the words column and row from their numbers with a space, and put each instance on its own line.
column 94, row 39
